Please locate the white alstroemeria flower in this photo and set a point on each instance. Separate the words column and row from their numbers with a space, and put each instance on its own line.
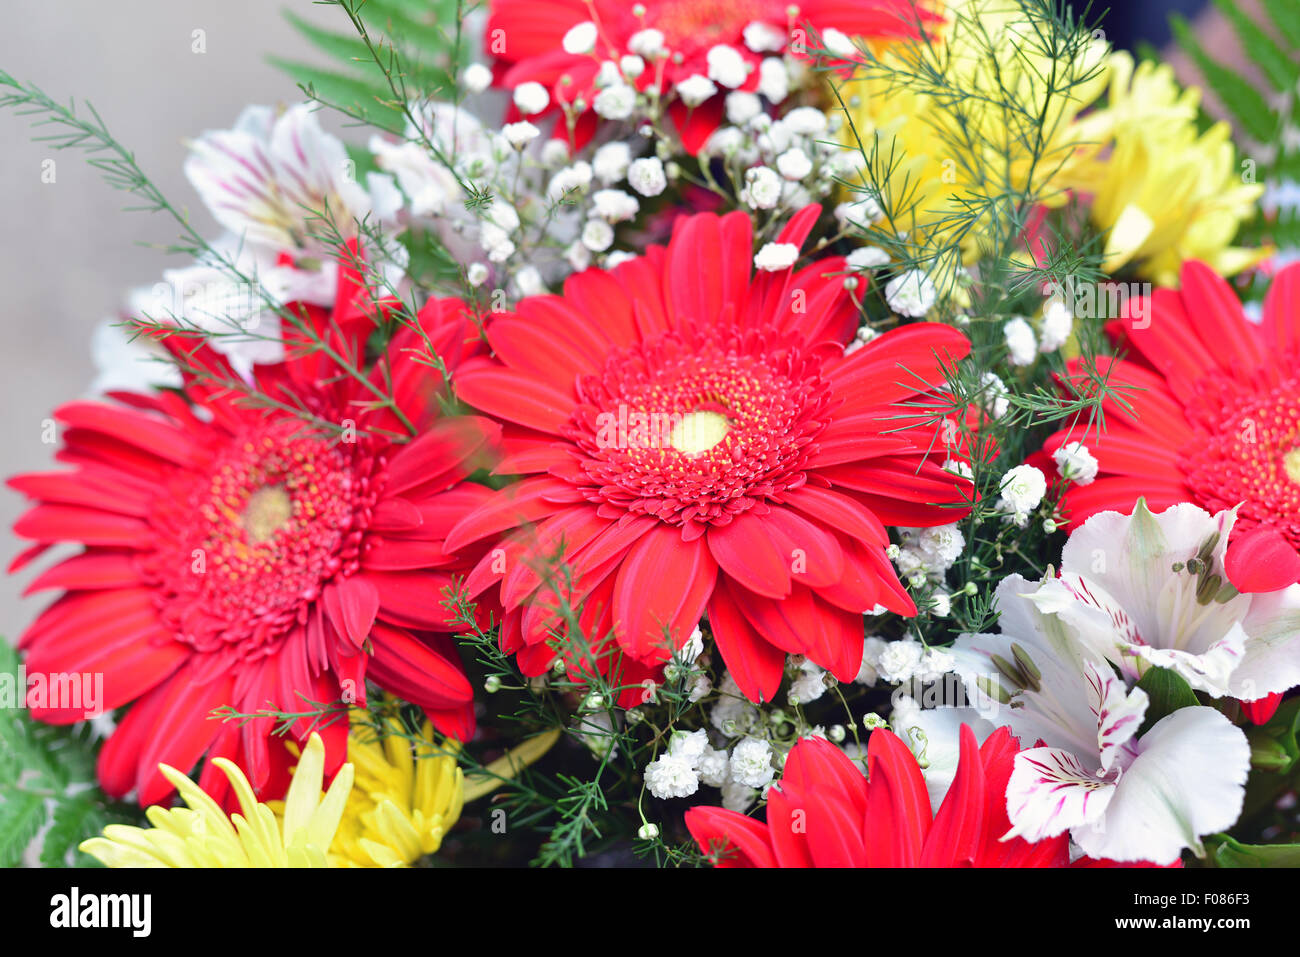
column 1121, row 796
column 238, row 317
column 127, row 362
column 1150, row 591
column 270, row 179
column 430, row 186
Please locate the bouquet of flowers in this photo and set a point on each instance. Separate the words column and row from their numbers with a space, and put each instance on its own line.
column 695, row 433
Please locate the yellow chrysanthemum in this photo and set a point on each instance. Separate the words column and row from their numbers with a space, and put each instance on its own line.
column 1162, row 192
column 202, row 835
column 1000, row 124
column 405, row 800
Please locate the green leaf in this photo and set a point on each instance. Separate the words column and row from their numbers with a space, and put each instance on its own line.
column 1167, row 692
column 1281, row 69
column 1232, row 853
column 349, row 48
column 1239, row 95
column 22, row 814
column 1285, row 15
column 74, row 820
column 369, row 99
column 1273, row 746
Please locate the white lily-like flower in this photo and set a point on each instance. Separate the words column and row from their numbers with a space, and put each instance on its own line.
column 1150, row 591
column 127, row 362
column 272, row 178
column 237, row 317
column 1120, row 795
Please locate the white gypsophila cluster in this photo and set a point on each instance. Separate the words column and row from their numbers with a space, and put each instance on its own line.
column 714, row 767
column 860, row 338
column 762, row 188
column 738, row 797
column 531, row 98
column 476, row 77
column 695, row 89
column 671, row 776
column 528, row 282
column 860, row 213
column 751, row 763
column 614, row 205
column 732, row 714
column 693, row 646
column 774, row 257
column 960, row 468
column 927, row 553
column 866, row 258
column 994, row 397
column 617, row 101
column 597, row 235
column 940, row 604
column 596, row 730
column 872, row 648
column 647, row 176
column 1022, row 491
column 1075, row 463
column 580, row 39
column 446, row 151
column 785, row 161
column 741, row 107
column 911, row 294
column 1022, row 346
column 808, row 685
column 899, row 660
column 610, row 162
column 1056, row 327
column 520, row 134
column 727, row 66
column 934, row 664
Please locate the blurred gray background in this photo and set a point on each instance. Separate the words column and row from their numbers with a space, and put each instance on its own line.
column 68, row 254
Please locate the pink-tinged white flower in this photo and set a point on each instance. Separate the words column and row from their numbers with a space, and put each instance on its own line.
column 231, row 295
column 125, row 362
column 273, row 180
column 1150, row 590
column 1121, row 796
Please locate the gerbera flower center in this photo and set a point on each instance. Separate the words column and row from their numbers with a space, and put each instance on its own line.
column 1291, row 462
column 269, row 509
column 1247, row 451
column 695, row 431
column 248, row 545
column 698, row 432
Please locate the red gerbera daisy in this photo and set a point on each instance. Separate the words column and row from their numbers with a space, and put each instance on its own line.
column 1215, row 418
column 527, row 39
column 244, row 557
column 824, row 813
column 697, row 439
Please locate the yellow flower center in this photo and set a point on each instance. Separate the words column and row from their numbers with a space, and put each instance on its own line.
column 1291, row 462
column 269, row 509
column 698, row 432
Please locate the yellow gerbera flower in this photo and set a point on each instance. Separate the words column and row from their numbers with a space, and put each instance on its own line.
column 1162, row 192
column 998, row 124
column 202, row 835
column 407, row 796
